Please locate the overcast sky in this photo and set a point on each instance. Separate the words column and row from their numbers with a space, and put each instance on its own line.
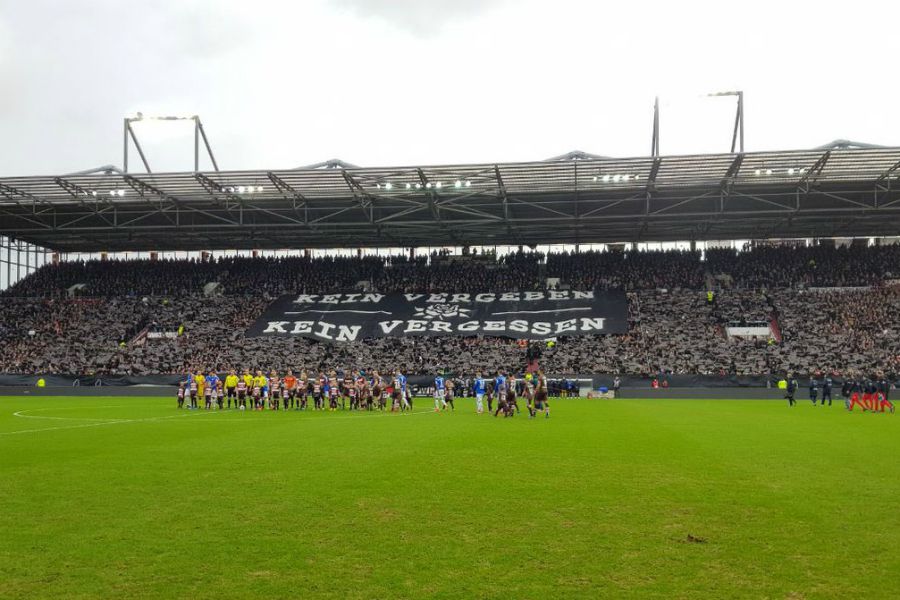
column 379, row 82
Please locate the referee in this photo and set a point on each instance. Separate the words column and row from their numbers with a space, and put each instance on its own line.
column 826, row 389
column 791, row 390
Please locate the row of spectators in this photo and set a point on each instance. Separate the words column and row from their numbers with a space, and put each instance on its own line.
column 676, row 332
column 762, row 267
column 813, row 266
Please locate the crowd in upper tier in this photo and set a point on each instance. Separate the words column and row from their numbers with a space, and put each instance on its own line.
column 673, row 326
column 762, row 267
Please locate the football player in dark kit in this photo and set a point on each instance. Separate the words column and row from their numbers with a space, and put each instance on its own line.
column 847, row 389
column 790, row 391
column 827, row 383
column 813, row 389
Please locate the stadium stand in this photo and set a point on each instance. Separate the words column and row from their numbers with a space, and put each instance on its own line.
column 835, row 308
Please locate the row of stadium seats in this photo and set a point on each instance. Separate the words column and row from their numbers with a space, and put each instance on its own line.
column 761, row 267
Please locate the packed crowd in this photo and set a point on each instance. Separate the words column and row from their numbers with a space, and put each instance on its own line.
column 813, row 266
column 758, row 268
column 268, row 276
column 673, row 332
column 673, row 327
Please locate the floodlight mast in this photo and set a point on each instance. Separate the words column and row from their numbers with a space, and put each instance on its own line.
column 199, row 133
column 654, row 144
column 738, row 134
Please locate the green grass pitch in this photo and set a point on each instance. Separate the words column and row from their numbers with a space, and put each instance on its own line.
column 128, row 497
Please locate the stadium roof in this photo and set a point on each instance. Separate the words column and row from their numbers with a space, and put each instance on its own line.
column 810, row 193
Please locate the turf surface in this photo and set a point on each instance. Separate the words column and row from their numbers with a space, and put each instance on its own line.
column 128, row 497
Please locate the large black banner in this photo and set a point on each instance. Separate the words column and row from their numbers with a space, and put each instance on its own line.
column 520, row 315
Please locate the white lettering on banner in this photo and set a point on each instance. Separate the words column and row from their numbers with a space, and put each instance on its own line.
column 443, row 297
column 540, row 328
column 302, row 327
column 415, row 326
column 341, row 318
column 589, row 324
column 567, row 325
column 348, row 333
column 276, row 327
column 326, row 327
column 389, row 326
column 520, row 326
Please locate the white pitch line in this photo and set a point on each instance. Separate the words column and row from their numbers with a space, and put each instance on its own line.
column 21, row 414
column 63, row 418
column 101, row 423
